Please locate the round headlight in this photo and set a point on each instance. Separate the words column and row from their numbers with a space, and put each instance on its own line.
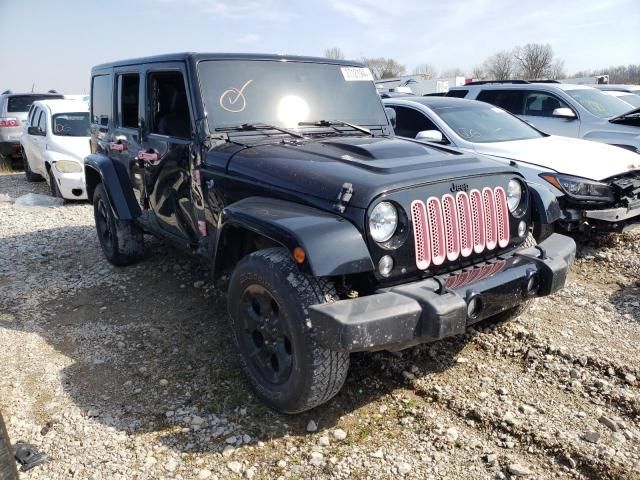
column 514, row 194
column 383, row 222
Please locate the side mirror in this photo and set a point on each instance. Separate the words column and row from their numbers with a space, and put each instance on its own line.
column 391, row 115
column 564, row 112
column 35, row 131
column 430, row 136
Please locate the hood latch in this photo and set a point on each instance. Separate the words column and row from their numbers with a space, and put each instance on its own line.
column 343, row 198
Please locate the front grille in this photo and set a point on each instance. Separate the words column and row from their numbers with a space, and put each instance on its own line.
column 447, row 228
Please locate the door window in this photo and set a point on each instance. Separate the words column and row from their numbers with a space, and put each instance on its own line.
column 42, row 121
column 540, row 104
column 169, row 108
column 33, row 116
column 128, row 99
column 511, row 100
column 101, row 100
column 410, row 121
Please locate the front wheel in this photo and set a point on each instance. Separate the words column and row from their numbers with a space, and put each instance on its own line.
column 122, row 241
column 268, row 302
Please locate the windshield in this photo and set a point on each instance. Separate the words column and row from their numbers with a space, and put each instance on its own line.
column 283, row 93
column 601, row 105
column 482, row 123
column 71, row 124
column 631, row 99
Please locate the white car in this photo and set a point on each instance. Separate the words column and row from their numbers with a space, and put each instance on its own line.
column 54, row 144
column 631, row 99
column 598, row 185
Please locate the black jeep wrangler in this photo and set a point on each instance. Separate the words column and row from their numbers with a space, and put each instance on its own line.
column 283, row 173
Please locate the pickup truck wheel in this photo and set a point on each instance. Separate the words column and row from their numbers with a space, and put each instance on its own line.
column 122, row 241
column 268, row 300
column 7, row 463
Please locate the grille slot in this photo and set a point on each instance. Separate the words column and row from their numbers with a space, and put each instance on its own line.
column 451, row 227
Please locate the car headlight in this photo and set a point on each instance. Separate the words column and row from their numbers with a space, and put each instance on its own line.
column 383, row 222
column 514, row 194
column 580, row 188
column 68, row 166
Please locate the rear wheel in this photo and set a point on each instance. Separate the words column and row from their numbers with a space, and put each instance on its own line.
column 31, row 177
column 7, row 463
column 268, row 304
column 122, row 241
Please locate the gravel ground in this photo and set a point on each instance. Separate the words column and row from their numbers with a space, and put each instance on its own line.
column 128, row 373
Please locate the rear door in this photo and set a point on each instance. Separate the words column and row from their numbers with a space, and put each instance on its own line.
column 166, row 151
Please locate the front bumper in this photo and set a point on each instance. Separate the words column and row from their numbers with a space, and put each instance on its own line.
column 614, row 219
column 423, row 311
column 71, row 185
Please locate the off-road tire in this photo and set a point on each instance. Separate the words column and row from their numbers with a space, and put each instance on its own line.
column 123, row 243
column 317, row 374
column 31, row 177
column 8, row 469
column 512, row 313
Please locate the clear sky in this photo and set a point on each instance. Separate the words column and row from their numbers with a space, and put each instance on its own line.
column 55, row 43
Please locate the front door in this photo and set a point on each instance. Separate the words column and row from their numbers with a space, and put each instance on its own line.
column 538, row 111
column 166, row 151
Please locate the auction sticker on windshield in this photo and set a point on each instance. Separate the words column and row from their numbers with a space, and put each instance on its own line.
column 357, row 74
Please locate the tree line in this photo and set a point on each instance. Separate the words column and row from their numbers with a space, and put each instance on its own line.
column 533, row 61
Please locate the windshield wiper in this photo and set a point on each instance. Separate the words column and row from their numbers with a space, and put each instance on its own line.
column 335, row 123
column 254, row 127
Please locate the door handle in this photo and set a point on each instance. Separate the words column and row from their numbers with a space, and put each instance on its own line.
column 117, row 146
column 148, row 157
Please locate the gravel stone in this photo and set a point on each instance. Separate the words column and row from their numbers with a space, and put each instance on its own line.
column 339, row 434
column 312, row 426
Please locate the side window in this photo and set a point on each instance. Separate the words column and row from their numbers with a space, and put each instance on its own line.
column 541, row 104
column 42, row 121
column 169, row 108
column 409, row 122
column 33, row 116
column 101, row 100
column 457, row 93
column 511, row 100
column 128, row 97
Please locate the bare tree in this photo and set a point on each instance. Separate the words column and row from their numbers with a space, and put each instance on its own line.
column 384, row 67
column 556, row 70
column 334, row 53
column 425, row 69
column 478, row 72
column 534, row 60
column 619, row 74
column 500, row 66
column 452, row 72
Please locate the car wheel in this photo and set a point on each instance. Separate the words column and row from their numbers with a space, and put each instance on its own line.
column 268, row 302
column 31, row 177
column 122, row 241
column 8, row 469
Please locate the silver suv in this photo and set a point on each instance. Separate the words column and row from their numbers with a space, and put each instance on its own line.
column 562, row 109
column 13, row 115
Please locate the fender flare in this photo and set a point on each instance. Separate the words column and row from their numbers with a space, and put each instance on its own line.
column 101, row 169
column 333, row 245
column 545, row 209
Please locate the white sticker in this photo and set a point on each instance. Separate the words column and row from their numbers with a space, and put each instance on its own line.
column 357, row 74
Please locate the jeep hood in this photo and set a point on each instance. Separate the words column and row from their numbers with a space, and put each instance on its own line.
column 572, row 156
column 372, row 165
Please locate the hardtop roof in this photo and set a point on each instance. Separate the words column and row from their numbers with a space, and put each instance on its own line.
column 178, row 57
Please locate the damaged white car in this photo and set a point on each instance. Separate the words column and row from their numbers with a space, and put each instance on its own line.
column 598, row 185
